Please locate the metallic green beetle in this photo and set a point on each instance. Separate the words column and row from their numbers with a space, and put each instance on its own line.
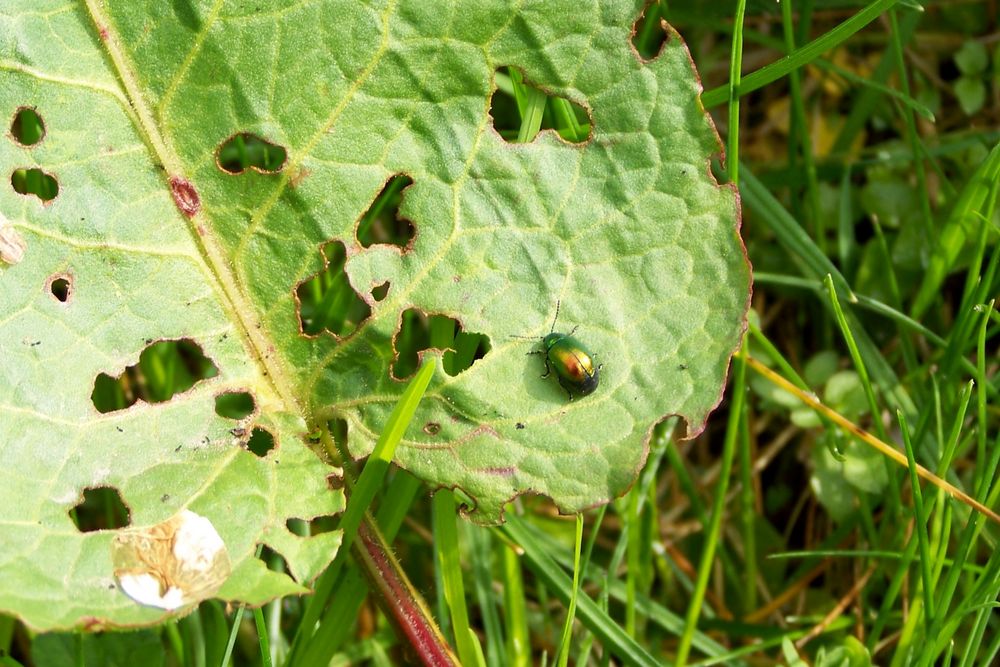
column 573, row 363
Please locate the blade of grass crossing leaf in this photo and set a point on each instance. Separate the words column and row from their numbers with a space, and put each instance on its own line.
column 714, row 526
column 803, row 56
column 920, row 519
column 363, row 493
column 562, row 656
column 444, row 517
column 350, row 591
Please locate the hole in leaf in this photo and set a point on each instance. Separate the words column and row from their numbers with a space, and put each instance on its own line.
column 261, row 441
column 102, row 508
column 648, row 35
column 34, row 182
column 327, row 301
column 234, row 404
column 61, row 288
column 418, row 332
column 165, row 368
column 248, row 151
column 27, row 127
column 520, row 110
column 379, row 292
column 381, row 223
column 316, row 526
column 432, row 428
column 273, row 560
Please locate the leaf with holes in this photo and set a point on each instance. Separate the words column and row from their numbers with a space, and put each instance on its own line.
column 230, row 225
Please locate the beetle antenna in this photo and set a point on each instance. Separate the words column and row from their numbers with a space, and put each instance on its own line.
column 554, row 319
column 525, row 337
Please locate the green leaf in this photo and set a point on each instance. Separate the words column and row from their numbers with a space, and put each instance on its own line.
column 971, row 93
column 111, row 649
column 972, row 58
column 212, row 160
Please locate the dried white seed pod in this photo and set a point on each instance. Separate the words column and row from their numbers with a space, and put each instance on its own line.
column 12, row 245
column 173, row 564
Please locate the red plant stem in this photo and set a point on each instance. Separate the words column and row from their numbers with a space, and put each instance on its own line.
column 398, row 599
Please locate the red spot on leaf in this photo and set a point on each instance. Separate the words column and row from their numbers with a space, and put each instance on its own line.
column 185, row 196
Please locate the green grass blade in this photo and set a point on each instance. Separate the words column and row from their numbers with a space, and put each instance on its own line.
column 920, row 517
column 562, row 656
column 975, row 196
column 714, row 527
column 604, row 628
column 515, row 610
column 444, row 517
column 363, row 493
column 808, row 53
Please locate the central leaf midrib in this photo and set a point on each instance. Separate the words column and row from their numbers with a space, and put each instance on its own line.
column 234, row 303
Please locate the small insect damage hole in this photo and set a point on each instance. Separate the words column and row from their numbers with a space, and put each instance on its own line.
column 61, row 288
column 419, row 332
column 248, row 151
column 235, row 404
column 34, row 182
column 165, row 368
column 312, row 527
column 261, row 441
column 27, row 127
column 381, row 222
column 379, row 292
column 432, row 428
column 327, row 302
column 648, row 34
column 273, row 560
column 514, row 100
column 102, row 508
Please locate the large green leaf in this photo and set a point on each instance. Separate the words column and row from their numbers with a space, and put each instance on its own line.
column 628, row 231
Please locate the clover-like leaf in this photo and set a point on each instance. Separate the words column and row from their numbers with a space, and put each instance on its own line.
column 212, row 168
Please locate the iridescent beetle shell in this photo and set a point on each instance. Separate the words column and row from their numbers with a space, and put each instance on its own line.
column 573, row 364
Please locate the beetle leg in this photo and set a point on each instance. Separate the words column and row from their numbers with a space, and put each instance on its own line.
column 573, row 331
column 547, row 370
